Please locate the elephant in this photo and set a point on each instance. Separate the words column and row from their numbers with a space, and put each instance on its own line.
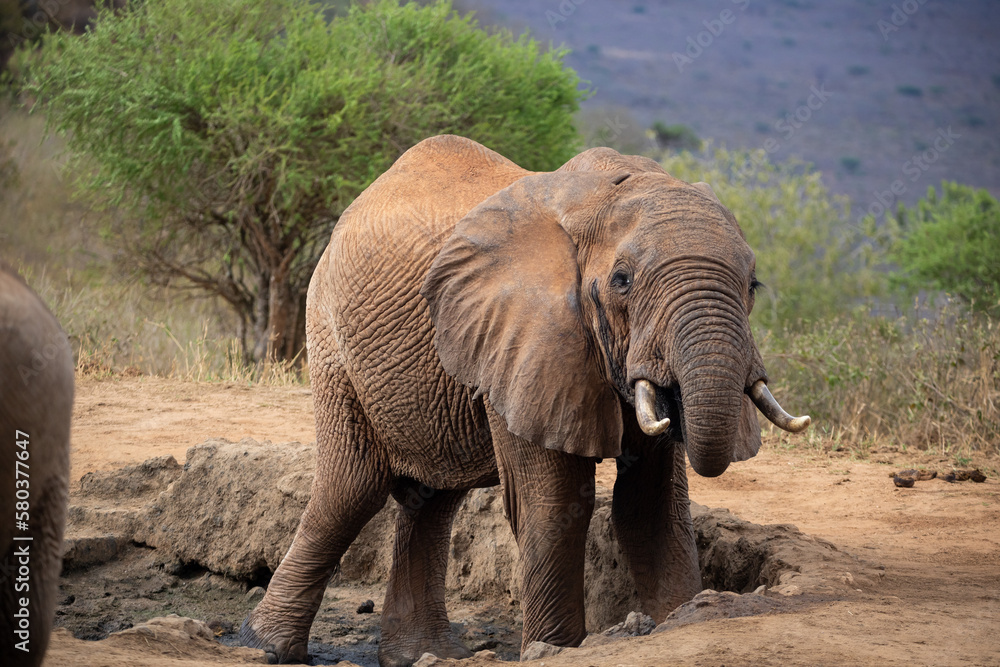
column 36, row 403
column 472, row 323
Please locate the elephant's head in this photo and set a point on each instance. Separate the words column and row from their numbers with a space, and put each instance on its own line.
column 609, row 282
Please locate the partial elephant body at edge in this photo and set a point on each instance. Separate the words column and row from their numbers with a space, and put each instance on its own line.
column 36, row 404
column 473, row 323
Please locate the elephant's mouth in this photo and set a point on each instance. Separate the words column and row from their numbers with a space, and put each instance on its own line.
column 659, row 409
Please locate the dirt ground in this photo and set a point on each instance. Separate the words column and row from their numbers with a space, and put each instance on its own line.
column 938, row 603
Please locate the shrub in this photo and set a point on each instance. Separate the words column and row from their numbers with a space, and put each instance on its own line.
column 675, row 137
column 951, row 242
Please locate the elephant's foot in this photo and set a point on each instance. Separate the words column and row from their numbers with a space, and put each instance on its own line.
column 280, row 648
column 401, row 653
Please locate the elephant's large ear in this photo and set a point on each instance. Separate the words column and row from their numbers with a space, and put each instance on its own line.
column 504, row 295
column 748, row 442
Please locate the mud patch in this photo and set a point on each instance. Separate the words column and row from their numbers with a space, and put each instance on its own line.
column 194, row 540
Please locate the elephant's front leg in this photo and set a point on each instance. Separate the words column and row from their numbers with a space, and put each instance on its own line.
column 548, row 499
column 414, row 620
column 651, row 515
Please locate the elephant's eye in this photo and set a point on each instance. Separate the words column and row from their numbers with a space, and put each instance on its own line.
column 621, row 281
column 755, row 285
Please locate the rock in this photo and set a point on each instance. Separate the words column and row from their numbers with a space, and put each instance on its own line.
column 918, row 475
column 709, row 605
column 220, row 627
column 366, row 607
column 957, row 475
column 536, row 650
column 254, row 594
column 594, row 639
column 172, row 625
column 485, row 655
column 188, row 637
column 426, row 660
column 133, row 481
column 903, row 481
column 636, row 624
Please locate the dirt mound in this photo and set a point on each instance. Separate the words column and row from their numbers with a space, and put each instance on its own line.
column 739, row 556
column 232, row 509
column 169, row 638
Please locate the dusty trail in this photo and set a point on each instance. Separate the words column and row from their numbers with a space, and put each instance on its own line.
column 938, row 603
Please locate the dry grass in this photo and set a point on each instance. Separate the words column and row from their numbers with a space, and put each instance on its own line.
column 909, row 382
column 116, row 324
column 126, row 328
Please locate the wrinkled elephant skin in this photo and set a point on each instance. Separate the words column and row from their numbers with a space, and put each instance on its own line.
column 472, row 323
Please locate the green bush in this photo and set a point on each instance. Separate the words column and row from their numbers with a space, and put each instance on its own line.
column 229, row 135
column 813, row 263
column 951, row 242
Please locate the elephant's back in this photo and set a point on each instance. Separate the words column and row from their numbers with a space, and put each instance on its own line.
column 372, row 272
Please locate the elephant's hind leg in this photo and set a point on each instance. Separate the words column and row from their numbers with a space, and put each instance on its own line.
column 351, row 485
column 414, row 620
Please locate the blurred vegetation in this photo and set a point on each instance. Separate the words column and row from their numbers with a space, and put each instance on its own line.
column 225, row 137
column 951, row 242
column 614, row 127
column 675, row 137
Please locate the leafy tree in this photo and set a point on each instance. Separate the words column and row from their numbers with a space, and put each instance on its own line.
column 813, row 263
column 951, row 242
column 229, row 135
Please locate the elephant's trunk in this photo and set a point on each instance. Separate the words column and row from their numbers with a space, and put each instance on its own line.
column 711, row 401
column 711, row 376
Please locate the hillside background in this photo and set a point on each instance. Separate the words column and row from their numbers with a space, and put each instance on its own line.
column 888, row 95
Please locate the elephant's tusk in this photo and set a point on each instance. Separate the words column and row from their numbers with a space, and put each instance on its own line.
column 762, row 398
column 645, row 409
